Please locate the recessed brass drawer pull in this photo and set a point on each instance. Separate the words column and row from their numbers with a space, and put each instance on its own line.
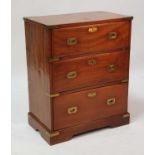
column 92, row 29
column 71, row 75
column 72, row 110
column 111, row 67
column 111, row 101
column 91, row 62
column 91, row 94
column 112, row 35
column 72, row 41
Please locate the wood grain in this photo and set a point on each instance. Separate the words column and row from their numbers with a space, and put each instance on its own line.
column 89, row 108
column 38, row 48
column 88, row 42
column 77, row 18
column 100, row 64
column 88, row 75
column 68, row 133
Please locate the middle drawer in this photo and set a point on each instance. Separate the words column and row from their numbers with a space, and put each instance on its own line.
column 89, row 70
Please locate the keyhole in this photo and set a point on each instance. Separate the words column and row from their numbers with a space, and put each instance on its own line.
column 72, row 41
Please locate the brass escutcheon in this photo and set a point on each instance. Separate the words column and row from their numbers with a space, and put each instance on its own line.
column 91, row 94
column 111, row 67
column 72, row 41
column 111, row 101
column 112, row 35
column 91, row 62
column 71, row 75
column 72, row 110
column 92, row 29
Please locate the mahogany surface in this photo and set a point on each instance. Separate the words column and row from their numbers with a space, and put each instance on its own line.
column 90, row 74
column 91, row 42
column 75, row 18
column 38, row 47
column 89, row 108
column 49, row 60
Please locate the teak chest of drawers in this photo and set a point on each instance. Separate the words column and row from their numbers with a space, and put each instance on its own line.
column 78, row 70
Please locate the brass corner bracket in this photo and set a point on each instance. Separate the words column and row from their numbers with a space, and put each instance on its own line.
column 124, row 81
column 53, row 95
column 52, row 134
column 54, row 59
column 126, row 115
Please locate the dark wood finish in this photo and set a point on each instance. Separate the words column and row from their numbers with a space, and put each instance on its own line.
column 88, row 74
column 78, row 88
column 89, row 108
column 90, row 42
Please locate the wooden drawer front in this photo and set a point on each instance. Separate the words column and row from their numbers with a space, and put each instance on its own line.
column 89, row 105
column 90, row 70
column 76, row 40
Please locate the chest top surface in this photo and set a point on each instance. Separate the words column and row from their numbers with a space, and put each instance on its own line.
column 84, row 17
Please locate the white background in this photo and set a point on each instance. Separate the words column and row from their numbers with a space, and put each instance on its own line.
column 123, row 140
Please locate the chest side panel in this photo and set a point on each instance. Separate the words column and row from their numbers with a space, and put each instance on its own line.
column 38, row 48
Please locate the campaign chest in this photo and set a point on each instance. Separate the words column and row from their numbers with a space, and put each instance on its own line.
column 78, row 72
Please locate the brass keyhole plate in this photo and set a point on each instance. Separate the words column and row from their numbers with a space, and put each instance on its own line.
column 91, row 62
column 92, row 29
column 91, row 94
column 111, row 68
column 112, row 35
column 72, row 41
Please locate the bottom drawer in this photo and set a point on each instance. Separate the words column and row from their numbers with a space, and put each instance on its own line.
column 88, row 105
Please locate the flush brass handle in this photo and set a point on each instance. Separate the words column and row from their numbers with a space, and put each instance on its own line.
column 91, row 62
column 91, row 94
column 111, row 67
column 72, row 110
column 112, row 35
column 71, row 75
column 111, row 101
column 72, row 41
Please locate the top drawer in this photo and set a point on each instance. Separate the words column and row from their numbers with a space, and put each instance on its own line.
column 90, row 38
